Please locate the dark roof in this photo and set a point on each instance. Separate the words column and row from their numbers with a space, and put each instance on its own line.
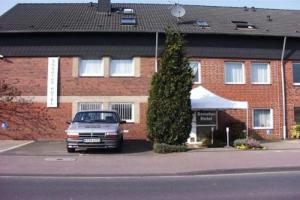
column 150, row 18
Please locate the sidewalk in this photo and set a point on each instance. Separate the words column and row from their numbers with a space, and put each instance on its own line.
column 6, row 145
column 148, row 163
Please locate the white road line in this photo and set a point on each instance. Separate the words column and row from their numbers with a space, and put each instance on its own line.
column 17, row 146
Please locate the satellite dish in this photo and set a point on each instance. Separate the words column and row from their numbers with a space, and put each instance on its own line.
column 178, row 11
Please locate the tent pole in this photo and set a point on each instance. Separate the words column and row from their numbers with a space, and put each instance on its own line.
column 247, row 123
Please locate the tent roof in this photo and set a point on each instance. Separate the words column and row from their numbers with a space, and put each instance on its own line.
column 202, row 98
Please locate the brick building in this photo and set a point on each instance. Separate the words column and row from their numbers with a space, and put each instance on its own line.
column 107, row 54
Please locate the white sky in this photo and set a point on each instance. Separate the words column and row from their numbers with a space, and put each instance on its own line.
column 281, row 4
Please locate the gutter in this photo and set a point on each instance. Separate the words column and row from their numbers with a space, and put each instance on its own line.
column 283, row 90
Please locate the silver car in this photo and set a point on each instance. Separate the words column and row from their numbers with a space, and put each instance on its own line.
column 95, row 129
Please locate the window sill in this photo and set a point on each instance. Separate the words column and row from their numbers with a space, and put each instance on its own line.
column 96, row 76
column 263, row 128
column 261, row 83
column 234, row 83
column 296, row 84
column 122, row 76
column 197, row 83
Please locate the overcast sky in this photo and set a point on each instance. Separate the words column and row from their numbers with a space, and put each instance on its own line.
column 281, row 4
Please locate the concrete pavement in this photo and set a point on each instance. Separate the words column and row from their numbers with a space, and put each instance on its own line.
column 50, row 158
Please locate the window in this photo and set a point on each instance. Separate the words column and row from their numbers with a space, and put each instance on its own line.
column 296, row 74
column 128, row 21
column 89, row 106
column 260, row 73
column 121, row 68
column 234, row 73
column 244, row 25
column 263, row 118
column 202, row 23
column 125, row 110
column 196, row 71
column 297, row 115
column 91, row 68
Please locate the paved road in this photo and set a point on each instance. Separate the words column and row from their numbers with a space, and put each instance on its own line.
column 271, row 186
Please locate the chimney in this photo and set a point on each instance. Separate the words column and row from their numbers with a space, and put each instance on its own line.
column 104, row 6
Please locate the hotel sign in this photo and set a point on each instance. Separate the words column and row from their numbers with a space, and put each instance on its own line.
column 206, row 117
column 52, row 82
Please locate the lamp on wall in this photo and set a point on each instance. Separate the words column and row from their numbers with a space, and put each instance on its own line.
column 1, row 56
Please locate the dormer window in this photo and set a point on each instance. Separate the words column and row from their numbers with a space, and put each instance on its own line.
column 244, row 25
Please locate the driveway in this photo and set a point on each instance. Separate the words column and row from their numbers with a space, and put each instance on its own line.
column 58, row 148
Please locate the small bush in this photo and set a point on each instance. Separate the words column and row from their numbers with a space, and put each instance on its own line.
column 165, row 148
column 295, row 132
column 246, row 144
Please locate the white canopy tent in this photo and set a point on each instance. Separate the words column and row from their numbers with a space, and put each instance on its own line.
column 203, row 99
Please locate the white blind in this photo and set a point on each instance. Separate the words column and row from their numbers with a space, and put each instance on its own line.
column 89, row 106
column 262, row 118
column 91, row 68
column 234, row 73
column 195, row 67
column 260, row 73
column 125, row 110
column 121, row 68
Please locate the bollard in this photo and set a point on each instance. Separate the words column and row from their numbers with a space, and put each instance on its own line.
column 227, row 134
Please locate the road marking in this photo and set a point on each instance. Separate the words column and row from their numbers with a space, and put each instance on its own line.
column 59, row 159
column 15, row 147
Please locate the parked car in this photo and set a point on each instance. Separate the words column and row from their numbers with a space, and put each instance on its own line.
column 95, row 129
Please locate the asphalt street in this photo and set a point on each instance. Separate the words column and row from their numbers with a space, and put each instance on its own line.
column 271, row 186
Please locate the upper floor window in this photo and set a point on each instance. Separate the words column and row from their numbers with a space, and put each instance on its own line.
column 125, row 110
column 296, row 74
column 297, row 115
column 196, row 71
column 263, row 118
column 122, row 68
column 234, row 73
column 91, row 68
column 260, row 73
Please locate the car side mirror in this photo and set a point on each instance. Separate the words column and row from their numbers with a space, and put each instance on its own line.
column 68, row 122
column 122, row 122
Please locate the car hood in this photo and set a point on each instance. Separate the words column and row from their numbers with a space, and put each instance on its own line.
column 92, row 127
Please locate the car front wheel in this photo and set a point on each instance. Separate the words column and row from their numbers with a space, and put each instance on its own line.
column 71, row 150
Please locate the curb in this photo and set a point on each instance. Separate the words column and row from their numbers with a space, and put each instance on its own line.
column 184, row 174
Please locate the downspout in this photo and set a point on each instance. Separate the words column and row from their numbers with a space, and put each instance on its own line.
column 283, row 90
column 156, row 51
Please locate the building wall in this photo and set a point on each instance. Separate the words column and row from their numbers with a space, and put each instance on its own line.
column 30, row 77
column 292, row 95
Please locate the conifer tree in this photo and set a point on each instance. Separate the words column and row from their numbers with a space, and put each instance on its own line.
column 169, row 113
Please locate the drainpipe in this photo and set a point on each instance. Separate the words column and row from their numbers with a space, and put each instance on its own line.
column 156, row 51
column 283, row 90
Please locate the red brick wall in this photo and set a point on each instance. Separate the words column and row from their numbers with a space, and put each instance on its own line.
column 30, row 76
column 292, row 95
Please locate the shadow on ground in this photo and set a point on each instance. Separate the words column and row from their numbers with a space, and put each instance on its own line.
column 58, row 148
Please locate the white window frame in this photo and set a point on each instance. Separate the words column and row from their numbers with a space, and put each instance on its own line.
column 120, row 74
column 91, row 75
column 269, row 74
column 199, row 71
column 271, row 116
column 235, row 83
column 132, row 110
column 79, row 103
column 298, row 83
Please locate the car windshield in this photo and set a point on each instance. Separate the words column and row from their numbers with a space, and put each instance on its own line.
column 96, row 117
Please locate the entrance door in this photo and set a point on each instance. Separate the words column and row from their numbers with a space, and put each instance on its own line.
column 206, row 121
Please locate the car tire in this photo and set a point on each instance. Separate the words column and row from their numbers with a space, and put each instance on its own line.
column 119, row 148
column 71, row 150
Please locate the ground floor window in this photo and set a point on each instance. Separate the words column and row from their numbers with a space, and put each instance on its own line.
column 263, row 118
column 297, row 115
column 85, row 106
column 125, row 110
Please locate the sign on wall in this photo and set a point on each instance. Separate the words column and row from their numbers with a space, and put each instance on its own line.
column 52, row 82
column 206, row 117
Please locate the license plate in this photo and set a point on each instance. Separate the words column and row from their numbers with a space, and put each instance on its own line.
column 91, row 140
